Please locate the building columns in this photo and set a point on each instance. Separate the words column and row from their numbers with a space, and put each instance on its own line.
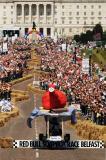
column 45, row 13
column 37, row 13
column 30, row 13
column 15, row 14
column 45, row 32
column 52, row 32
column 22, row 19
column 52, row 12
column 23, row 16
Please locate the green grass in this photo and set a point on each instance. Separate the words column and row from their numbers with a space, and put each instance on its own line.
column 99, row 57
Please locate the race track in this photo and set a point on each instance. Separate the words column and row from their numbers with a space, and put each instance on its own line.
column 17, row 129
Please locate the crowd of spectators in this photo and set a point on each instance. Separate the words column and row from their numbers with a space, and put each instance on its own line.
column 64, row 70
column 22, row 44
column 5, row 91
column 13, row 64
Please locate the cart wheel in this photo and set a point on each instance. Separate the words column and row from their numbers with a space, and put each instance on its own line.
column 67, row 137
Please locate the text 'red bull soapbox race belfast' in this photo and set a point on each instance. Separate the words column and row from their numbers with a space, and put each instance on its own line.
column 55, row 114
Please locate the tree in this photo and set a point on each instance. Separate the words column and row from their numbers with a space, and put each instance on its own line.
column 77, row 38
column 104, row 36
column 98, row 32
column 83, row 38
column 89, row 35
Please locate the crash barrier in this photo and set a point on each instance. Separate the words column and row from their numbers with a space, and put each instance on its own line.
column 18, row 95
column 30, row 68
column 97, row 118
column 22, row 79
column 34, row 63
column 33, row 67
column 40, row 73
column 35, row 59
column 35, row 89
column 34, row 55
column 5, row 116
column 6, row 142
column 37, row 73
column 91, row 131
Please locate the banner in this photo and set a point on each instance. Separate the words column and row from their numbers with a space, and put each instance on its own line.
column 13, row 39
column 36, row 144
column 64, row 47
column 5, row 47
column 85, row 65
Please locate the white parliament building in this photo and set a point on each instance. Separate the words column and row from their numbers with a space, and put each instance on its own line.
column 52, row 17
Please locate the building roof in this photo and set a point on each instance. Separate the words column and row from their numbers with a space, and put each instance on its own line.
column 60, row 1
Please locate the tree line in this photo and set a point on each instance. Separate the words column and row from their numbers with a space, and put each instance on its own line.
column 96, row 34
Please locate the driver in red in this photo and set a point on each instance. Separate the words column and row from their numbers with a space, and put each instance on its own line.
column 52, row 99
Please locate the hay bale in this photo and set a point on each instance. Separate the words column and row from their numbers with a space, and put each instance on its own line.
column 21, row 79
column 21, row 97
column 90, row 136
column 86, row 135
column 103, row 137
column 89, row 130
column 6, row 142
column 18, row 92
column 2, row 122
column 5, row 114
column 79, row 132
column 30, row 87
column 5, row 117
column 15, row 112
column 103, row 129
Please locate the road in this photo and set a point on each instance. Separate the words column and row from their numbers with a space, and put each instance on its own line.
column 17, row 129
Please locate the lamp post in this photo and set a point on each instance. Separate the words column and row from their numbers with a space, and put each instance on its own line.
column 20, row 32
column 90, row 63
column 33, row 40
